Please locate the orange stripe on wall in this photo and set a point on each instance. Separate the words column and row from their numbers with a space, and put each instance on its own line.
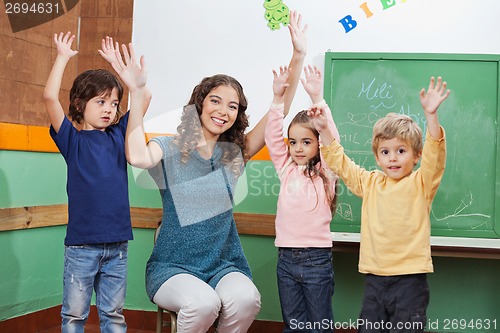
column 149, row 136
column 37, row 138
column 13, row 137
column 262, row 155
column 26, row 138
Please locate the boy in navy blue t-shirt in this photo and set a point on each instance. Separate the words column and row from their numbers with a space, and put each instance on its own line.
column 99, row 225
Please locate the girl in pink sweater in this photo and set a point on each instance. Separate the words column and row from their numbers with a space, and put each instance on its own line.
column 305, row 208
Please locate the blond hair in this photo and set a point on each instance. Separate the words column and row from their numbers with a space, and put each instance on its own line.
column 398, row 126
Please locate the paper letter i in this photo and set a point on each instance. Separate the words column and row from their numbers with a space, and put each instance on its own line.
column 365, row 8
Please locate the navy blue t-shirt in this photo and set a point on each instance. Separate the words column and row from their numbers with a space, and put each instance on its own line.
column 97, row 184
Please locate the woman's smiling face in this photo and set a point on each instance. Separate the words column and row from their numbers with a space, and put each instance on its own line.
column 220, row 110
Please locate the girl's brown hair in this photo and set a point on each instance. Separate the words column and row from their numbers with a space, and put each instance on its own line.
column 314, row 167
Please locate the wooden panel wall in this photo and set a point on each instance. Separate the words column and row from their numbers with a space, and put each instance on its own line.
column 26, row 56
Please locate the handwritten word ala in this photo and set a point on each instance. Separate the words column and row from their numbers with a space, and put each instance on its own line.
column 349, row 23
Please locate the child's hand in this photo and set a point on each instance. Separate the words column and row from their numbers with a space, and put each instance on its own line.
column 132, row 72
column 313, row 83
column 108, row 50
column 299, row 40
column 318, row 118
column 434, row 96
column 63, row 44
column 280, row 82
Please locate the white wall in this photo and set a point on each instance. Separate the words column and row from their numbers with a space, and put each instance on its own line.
column 184, row 41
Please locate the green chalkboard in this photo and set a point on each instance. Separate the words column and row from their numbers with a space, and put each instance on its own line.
column 362, row 87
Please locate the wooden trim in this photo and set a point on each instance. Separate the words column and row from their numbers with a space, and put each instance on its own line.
column 247, row 224
column 50, row 319
column 148, row 218
column 33, row 217
column 255, row 224
column 33, row 322
column 53, row 215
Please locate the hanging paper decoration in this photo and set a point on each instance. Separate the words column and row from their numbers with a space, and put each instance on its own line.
column 276, row 13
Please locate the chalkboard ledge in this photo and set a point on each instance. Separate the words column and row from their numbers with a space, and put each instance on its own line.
column 483, row 248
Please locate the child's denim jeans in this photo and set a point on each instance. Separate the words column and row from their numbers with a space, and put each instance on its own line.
column 305, row 286
column 99, row 267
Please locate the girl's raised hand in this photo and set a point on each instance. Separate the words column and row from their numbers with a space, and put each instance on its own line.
column 280, row 81
column 298, row 34
column 313, row 83
column 318, row 118
column 434, row 96
column 63, row 44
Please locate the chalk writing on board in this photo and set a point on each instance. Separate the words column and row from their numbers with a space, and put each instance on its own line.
column 363, row 88
column 465, row 203
column 382, row 95
column 372, row 90
column 382, row 104
column 344, row 211
column 357, row 119
column 375, row 98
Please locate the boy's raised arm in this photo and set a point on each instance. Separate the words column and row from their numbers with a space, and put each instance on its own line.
column 53, row 86
column 431, row 100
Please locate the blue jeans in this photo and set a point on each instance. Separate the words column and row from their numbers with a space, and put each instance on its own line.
column 305, row 286
column 99, row 267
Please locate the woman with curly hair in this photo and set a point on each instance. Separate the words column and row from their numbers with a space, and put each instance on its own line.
column 197, row 267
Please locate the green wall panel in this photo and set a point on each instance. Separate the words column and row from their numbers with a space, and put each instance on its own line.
column 30, row 270
column 31, row 179
column 31, row 262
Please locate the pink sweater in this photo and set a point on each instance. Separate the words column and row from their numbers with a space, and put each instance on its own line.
column 303, row 214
